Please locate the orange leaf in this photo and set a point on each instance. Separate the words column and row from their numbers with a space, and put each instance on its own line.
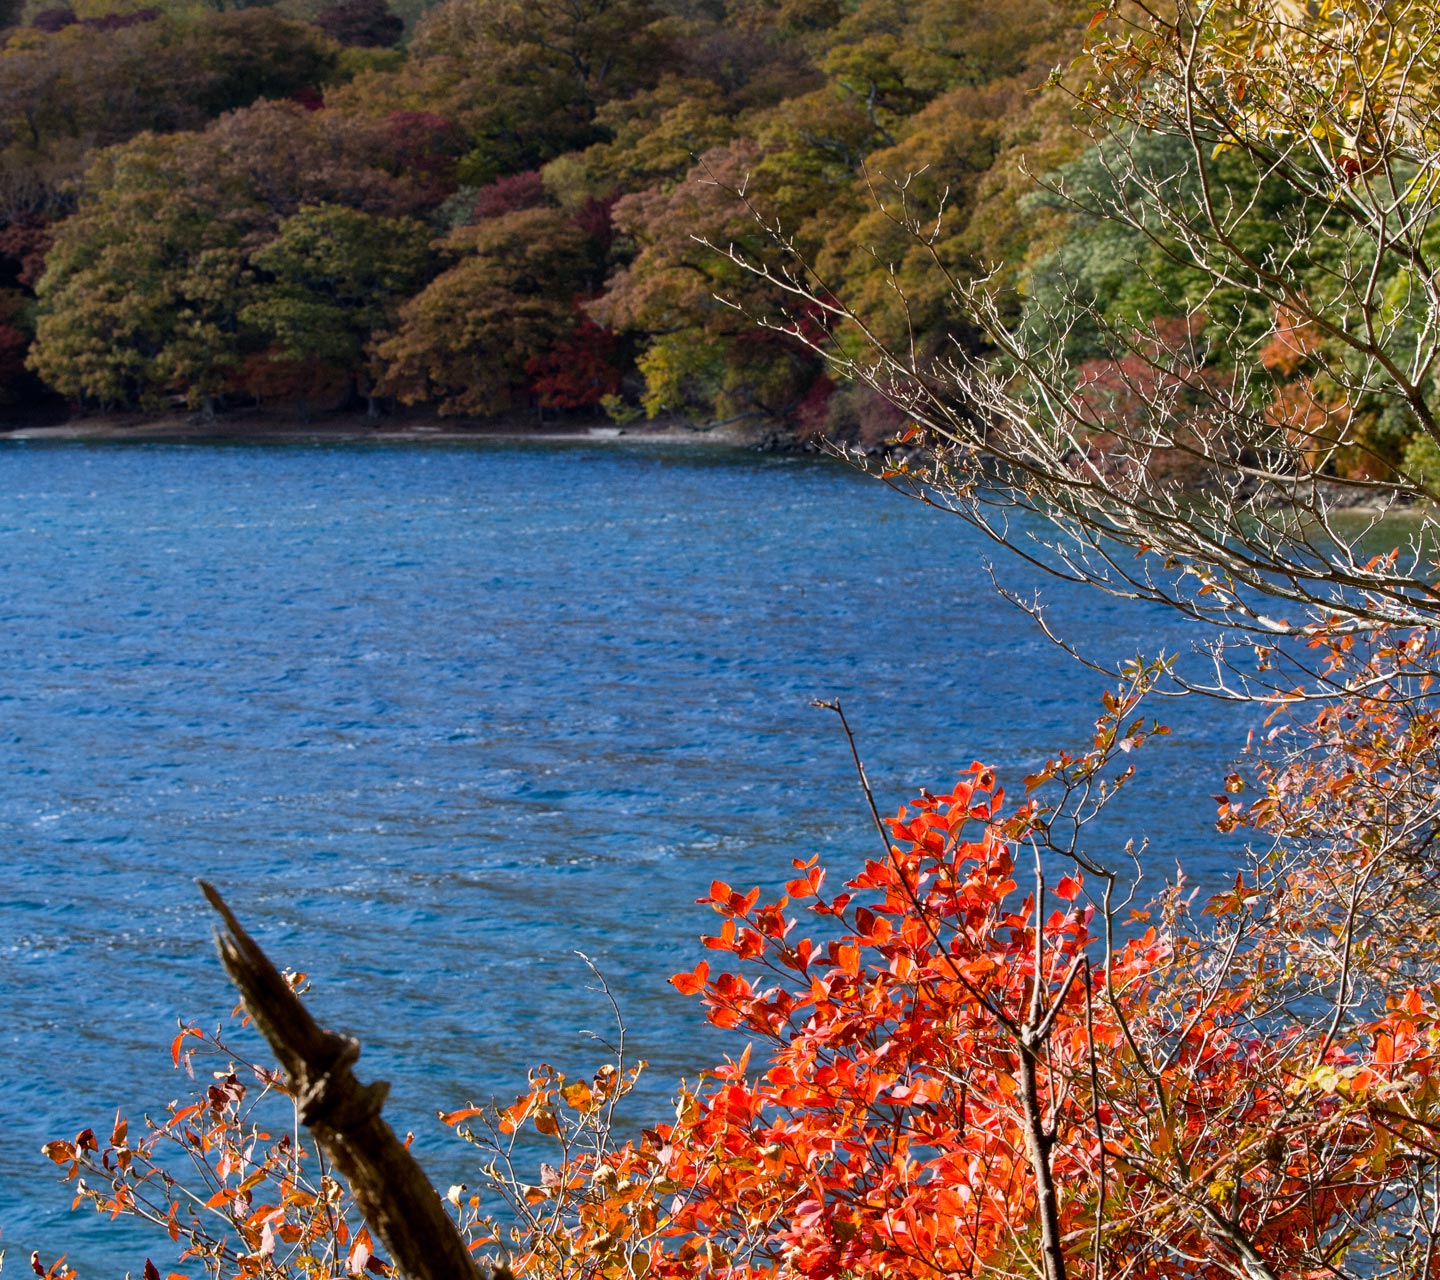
column 578, row 1095
column 688, row 984
column 175, row 1044
column 184, row 1114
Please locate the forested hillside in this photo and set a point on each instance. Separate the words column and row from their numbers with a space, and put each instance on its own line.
column 490, row 207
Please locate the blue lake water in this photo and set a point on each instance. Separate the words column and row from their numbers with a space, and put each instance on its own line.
column 435, row 717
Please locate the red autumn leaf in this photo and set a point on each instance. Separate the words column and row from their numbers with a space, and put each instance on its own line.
column 688, row 984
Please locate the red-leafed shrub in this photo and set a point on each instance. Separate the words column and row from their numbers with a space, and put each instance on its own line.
column 510, row 195
column 579, row 371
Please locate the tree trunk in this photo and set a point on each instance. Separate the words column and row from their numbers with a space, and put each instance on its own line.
column 1038, row 1143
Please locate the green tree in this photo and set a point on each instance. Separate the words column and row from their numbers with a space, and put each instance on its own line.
column 142, row 290
column 329, row 280
column 524, row 80
column 145, row 285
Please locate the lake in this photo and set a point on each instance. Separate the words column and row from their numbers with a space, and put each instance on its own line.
column 434, row 717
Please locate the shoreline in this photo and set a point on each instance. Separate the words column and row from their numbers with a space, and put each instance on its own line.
column 253, row 426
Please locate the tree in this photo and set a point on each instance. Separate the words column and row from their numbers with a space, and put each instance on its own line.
column 578, row 372
column 145, row 286
column 524, row 81
column 955, row 1087
column 964, row 1076
column 1321, row 123
column 657, row 134
column 285, row 157
column 142, row 289
column 1295, row 1013
column 464, row 341
column 248, row 54
column 1178, row 465
column 882, row 272
column 366, row 24
column 897, row 86
column 96, row 83
column 702, row 355
column 330, row 280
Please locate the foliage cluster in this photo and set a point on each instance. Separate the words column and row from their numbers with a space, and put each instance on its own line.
column 153, row 162
column 879, row 143
column 971, row 1066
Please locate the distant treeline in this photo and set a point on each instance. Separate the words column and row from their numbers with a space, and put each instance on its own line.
column 299, row 205
column 489, row 207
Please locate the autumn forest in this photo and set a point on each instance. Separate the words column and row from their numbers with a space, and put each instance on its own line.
column 498, row 209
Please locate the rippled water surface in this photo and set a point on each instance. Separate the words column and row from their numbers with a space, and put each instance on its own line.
column 436, row 717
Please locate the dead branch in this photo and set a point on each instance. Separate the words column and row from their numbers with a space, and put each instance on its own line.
column 401, row 1207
